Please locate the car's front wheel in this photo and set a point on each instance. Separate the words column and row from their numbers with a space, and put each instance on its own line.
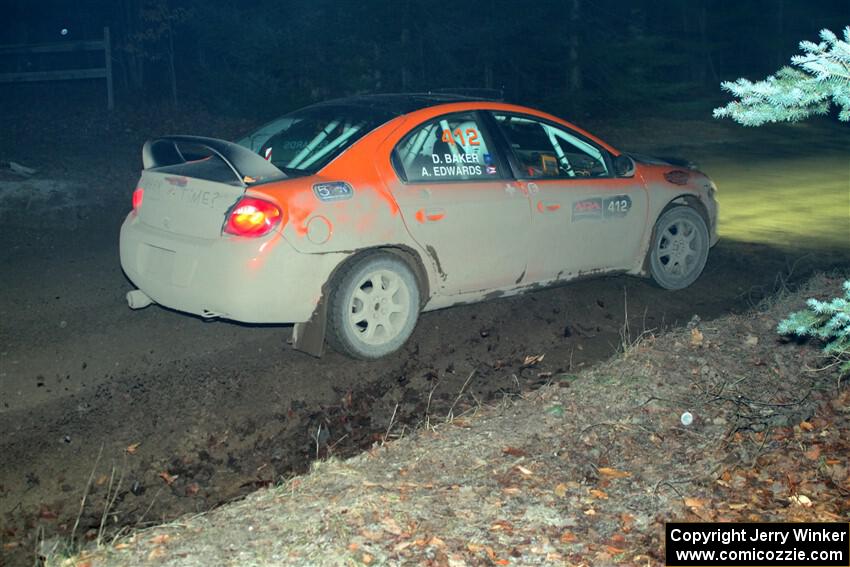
column 679, row 250
column 373, row 306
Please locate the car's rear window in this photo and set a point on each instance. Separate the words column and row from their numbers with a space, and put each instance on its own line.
column 303, row 142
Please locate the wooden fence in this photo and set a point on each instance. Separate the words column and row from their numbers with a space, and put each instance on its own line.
column 104, row 72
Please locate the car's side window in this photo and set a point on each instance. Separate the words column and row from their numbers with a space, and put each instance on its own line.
column 543, row 150
column 449, row 148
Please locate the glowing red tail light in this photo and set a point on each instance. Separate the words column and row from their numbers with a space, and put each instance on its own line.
column 138, row 196
column 252, row 217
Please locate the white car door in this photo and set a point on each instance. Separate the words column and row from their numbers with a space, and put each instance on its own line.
column 460, row 204
column 584, row 218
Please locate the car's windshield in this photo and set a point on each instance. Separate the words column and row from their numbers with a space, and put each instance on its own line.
column 303, row 142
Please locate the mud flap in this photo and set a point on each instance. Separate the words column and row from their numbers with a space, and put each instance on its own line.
column 309, row 337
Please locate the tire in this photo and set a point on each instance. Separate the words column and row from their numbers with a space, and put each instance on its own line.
column 679, row 248
column 373, row 306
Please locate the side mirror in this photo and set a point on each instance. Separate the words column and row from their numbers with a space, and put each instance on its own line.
column 624, row 166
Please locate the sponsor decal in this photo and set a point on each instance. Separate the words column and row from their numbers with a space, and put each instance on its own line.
column 491, row 169
column 333, row 191
column 587, row 209
column 598, row 208
column 268, row 154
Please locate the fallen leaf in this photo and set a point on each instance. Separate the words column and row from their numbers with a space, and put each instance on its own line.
column 802, row 500
column 490, row 553
column 514, row 452
column 373, row 535
column 568, row 537
column 132, row 448
column 524, row 470
column 590, row 512
column 101, row 480
column 366, row 558
column 695, row 502
column 436, row 542
column 697, row 337
column 169, row 479
column 737, row 506
column 391, row 526
column 353, row 546
column 160, row 539
column 192, row 489
column 46, row 513
column 122, row 545
column 561, row 490
column 156, row 553
column 813, row 453
column 11, row 545
column 474, row 547
column 614, row 550
column 532, row 359
column 806, row 426
column 614, row 473
column 599, row 494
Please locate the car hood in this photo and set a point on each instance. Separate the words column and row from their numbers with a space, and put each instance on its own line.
column 665, row 161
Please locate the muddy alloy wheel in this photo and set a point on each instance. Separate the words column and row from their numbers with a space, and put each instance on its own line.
column 679, row 248
column 374, row 306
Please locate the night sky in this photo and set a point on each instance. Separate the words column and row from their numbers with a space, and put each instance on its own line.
column 262, row 57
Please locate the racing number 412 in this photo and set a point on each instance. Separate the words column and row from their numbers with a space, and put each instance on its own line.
column 618, row 206
column 471, row 137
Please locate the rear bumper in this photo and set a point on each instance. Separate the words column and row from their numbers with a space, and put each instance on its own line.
column 252, row 280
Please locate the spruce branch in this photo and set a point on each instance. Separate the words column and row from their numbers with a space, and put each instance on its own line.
column 827, row 321
column 821, row 79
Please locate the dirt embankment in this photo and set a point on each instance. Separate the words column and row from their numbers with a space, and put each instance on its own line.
column 583, row 471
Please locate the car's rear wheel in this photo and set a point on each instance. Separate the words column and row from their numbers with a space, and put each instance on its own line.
column 373, row 306
column 679, row 250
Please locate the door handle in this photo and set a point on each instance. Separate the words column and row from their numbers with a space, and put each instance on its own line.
column 430, row 215
column 547, row 206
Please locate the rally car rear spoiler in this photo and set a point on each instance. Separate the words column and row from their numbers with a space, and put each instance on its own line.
column 248, row 168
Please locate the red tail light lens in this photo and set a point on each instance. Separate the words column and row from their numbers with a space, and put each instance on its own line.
column 252, row 217
column 138, row 195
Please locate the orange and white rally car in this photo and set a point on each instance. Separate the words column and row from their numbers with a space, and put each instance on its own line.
column 348, row 218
